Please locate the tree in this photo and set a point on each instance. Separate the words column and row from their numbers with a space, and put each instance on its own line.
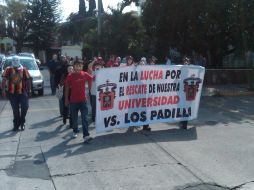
column 241, row 24
column 17, row 23
column 123, row 34
column 44, row 17
column 92, row 7
column 203, row 26
column 74, row 29
column 82, row 7
column 81, row 28
column 3, row 16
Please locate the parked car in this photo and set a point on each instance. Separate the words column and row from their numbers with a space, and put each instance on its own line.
column 2, row 58
column 30, row 64
column 25, row 54
column 1, row 79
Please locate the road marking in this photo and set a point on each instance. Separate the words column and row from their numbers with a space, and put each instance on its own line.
column 43, row 99
column 45, row 109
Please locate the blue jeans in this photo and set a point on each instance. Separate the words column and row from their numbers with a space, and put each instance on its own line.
column 75, row 108
column 52, row 84
column 19, row 104
column 61, row 106
column 93, row 105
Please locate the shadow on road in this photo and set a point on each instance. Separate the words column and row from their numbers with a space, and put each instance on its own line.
column 46, row 123
column 7, row 134
column 224, row 110
column 43, row 135
column 121, row 139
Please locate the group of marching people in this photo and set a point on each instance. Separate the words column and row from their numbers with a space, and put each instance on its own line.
column 70, row 79
column 67, row 80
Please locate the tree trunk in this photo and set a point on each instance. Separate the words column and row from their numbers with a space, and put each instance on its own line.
column 19, row 46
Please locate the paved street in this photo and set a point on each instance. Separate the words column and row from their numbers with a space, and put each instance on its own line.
column 215, row 153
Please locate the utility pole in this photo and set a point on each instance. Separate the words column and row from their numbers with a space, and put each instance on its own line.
column 99, row 26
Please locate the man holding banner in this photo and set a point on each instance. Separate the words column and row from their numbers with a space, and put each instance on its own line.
column 78, row 100
column 184, row 124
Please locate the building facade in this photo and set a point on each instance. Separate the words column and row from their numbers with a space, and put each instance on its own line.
column 7, row 45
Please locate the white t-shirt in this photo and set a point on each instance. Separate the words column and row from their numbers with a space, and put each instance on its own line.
column 168, row 62
column 93, row 86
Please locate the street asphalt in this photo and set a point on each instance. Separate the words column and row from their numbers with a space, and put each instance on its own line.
column 215, row 153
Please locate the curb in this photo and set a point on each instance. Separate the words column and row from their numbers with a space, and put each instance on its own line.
column 226, row 92
column 209, row 92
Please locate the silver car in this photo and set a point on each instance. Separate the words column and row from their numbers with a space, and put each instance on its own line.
column 30, row 64
column 2, row 58
column 26, row 54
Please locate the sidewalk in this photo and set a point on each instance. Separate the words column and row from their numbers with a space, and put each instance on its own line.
column 2, row 104
column 227, row 90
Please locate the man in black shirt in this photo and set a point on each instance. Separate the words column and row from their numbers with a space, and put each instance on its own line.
column 52, row 71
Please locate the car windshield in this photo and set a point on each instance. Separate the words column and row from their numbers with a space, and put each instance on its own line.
column 29, row 64
column 1, row 57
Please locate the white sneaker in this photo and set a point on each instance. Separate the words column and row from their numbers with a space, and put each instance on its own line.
column 75, row 135
column 87, row 138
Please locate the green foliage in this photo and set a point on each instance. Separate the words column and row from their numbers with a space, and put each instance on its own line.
column 17, row 23
column 203, row 26
column 122, row 34
column 82, row 7
column 43, row 15
column 3, row 15
column 74, row 30
column 92, row 7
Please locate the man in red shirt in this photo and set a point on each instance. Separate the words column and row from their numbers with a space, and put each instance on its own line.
column 111, row 61
column 19, row 86
column 78, row 100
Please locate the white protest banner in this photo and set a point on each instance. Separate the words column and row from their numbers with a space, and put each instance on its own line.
column 134, row 96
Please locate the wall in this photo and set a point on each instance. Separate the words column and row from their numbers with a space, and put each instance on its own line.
column 72, row 51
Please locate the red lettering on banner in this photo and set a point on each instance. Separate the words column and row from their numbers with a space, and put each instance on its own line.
column 148, row 102
column 151, row 75
column 136, row 89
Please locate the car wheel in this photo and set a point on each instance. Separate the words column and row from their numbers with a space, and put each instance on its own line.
column 41, row 92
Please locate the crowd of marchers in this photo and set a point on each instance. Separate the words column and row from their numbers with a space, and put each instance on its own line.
column 68, row 79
